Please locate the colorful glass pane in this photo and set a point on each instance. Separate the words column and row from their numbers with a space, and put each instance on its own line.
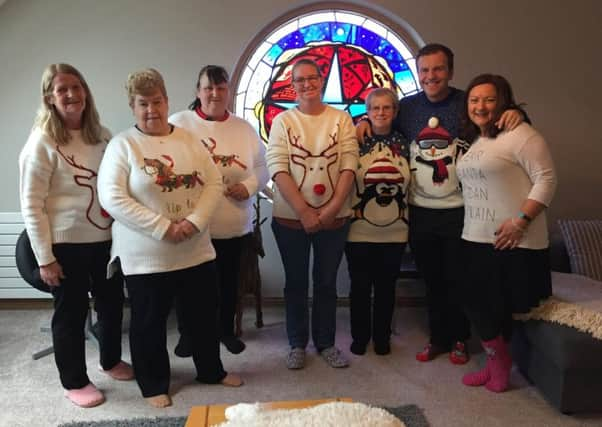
column 354, row 53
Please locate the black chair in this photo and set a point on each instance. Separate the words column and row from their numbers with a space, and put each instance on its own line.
column 30, row 272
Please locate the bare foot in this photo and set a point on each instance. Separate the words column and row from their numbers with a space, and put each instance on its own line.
column 159, row 401
column 232, row 380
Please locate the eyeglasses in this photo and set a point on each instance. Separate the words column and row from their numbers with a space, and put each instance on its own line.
column 425, row 144
column 384, row 108
column 310, row 79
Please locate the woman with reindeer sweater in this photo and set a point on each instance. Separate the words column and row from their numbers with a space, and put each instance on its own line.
column 69, row 232
column 162, row 187
column 312, row 156
column 240, row 157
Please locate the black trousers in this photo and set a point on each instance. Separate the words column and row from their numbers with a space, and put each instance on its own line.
column 437, row 248
column 228, row 258
column 85, row 269
column 372, row 267
column 151, row 298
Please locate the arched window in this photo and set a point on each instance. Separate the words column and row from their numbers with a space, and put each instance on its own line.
column 357, row 49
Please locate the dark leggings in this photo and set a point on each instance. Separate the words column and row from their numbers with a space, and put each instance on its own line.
column 84, row 266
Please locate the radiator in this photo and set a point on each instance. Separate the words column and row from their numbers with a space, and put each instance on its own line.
column 11, row 283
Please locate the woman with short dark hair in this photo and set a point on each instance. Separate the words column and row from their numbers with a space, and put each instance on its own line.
column 240, row 157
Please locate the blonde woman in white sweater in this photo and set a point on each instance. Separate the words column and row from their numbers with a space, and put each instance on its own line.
column 162, row 187
column 69, row 232
column 240, row 157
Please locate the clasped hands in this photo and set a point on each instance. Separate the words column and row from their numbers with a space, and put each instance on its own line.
column 180, row 231
column 314, row 220
column 237, row 191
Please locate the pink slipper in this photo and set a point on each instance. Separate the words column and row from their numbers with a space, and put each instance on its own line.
column 86, row 397
column 121, row 372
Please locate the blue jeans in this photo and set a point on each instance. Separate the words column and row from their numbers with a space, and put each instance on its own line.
column 294, row 246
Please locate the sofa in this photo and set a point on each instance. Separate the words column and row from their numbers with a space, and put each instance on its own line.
column 563, row 362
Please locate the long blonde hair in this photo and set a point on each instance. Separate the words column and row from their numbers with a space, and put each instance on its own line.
column 47, row 118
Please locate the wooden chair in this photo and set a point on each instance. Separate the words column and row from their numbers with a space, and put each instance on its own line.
column 250, row 277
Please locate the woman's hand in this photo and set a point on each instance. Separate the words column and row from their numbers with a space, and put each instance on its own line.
column 509, row 234
column 310, row 220
column 180, row 230
column 188, row 228
column 52, row 274
column 237, row 192
column 510, row 119
column 363, row 130
column 328, row 214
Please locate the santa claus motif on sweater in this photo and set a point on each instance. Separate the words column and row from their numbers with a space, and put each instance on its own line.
column 433, row 156
column 86, row 177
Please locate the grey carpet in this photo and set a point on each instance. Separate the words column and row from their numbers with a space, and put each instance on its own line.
column 411, row 415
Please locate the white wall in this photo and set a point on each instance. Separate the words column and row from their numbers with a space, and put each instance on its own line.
column 548, row 49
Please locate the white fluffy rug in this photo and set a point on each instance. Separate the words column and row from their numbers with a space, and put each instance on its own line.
column 325, row 415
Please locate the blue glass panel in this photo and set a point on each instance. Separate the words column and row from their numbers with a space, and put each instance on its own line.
column 368, row 40
column 293, row 40
column 272, row 55
column 357, row 110
column 316, row 32
column 340, row 32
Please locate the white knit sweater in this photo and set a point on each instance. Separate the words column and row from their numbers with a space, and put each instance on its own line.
column 146, row 182
column 59, row 202
column 498, row 175
column 240, row 157
column 314, row 150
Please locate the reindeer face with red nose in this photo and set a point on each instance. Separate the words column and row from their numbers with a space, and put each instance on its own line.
column 316, row 185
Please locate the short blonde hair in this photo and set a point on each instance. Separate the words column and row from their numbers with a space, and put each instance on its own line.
column 48, row 119
column 382, row 91
column 144, row 82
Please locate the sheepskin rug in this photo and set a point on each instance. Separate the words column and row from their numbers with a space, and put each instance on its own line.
column 327, row 414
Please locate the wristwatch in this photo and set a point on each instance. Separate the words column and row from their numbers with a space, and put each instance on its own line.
column 522, row 215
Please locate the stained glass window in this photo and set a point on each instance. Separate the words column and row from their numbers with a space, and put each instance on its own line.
column 354, row 51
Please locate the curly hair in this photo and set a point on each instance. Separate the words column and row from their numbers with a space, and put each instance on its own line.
column 144, row 82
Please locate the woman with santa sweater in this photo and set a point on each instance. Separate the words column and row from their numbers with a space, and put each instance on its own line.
column 70, row 234
column 162, row 187
column 240, row 157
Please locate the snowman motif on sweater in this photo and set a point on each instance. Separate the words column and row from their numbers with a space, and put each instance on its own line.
column 433, row 157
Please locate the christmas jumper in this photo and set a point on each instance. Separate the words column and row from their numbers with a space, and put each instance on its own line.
column 146, row 182
column 314, row 150
column 58, row 195
column 433, row 157
column 498, row 175
column 434, row 182
column 416, row 110
column 379, row 199
column 240, row 157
